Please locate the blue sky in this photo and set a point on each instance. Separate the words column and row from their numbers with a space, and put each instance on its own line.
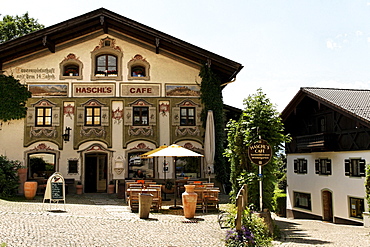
column 282, row 44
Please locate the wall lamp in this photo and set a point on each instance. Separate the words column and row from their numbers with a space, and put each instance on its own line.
column 67, row 134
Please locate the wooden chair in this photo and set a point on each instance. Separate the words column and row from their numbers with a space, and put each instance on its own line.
column 133, row 198
column 132, row 185
column 200, row 199
column 157, row 198
column 211, row 199
column 209, row 185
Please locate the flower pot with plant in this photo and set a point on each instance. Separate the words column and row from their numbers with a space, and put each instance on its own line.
column 79, row 188
column 111, row 187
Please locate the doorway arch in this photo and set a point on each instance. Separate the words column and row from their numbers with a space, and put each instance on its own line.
column 327, row 204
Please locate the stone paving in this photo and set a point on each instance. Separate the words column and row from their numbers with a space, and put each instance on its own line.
column 104, row 220
column 96, row 220
column 298, row 232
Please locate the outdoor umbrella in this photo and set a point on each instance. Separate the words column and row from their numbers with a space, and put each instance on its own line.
column 209, row 143
column 175, row 151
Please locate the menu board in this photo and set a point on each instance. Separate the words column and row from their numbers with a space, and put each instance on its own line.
column 57, row 191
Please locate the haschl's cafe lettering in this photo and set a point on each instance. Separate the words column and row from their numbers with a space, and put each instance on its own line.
column 96, row 89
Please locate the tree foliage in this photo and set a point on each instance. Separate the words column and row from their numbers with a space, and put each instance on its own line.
column 211, row 96
column 9, row 180
column 13, row 98
column 259, row 119
column 12, row 27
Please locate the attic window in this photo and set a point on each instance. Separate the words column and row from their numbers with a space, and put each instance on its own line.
column 71, row 68
column 138, row 71
column 106, row 59
column 139, row 68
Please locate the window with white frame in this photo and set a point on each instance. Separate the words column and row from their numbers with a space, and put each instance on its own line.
column 323, row 166
column 354, row 167
column 300, row 166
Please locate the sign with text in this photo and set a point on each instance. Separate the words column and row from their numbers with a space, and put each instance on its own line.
column 260, row 152
column 140, row 90
column 95, row 90
column 55, row 188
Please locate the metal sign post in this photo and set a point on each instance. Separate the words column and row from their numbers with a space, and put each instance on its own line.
column 260, row 153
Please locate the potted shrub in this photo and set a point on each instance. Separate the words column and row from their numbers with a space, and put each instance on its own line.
column 79, row 188
column 168, row 188
column 111, row 187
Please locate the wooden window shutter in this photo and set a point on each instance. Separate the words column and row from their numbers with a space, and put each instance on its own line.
column 328, row 167
column 80, row 115
column 31, row 111
column 295, row 166
column 347, row 167
column 304, row 170
column 176, row 116
column 152, row 115
column 55, row 116
column 127, row 116
column 105, row 116
column 362, row 167
column 317, row 166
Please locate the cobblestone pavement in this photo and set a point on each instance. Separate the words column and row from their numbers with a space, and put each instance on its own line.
column 104, row 220
column 297, row 232
column 96, row 220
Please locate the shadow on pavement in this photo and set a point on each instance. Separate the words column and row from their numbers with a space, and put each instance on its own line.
column 290, row 233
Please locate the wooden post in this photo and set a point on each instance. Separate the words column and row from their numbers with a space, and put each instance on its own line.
column 239, row 213
column 245, row 195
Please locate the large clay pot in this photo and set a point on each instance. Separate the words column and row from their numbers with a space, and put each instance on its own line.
column 189, row 201
column 22, row 174
column 110, row 188
column 30, row 188
column 79, row 189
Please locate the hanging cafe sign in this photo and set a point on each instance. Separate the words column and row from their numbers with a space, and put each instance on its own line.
column 260, row 152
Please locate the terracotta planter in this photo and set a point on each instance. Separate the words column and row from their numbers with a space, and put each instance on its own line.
column 30, row 188
column 189, row 201
column 22, row 174
column 110, row 188
column 79, row 189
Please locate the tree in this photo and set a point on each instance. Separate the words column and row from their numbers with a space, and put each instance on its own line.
column 211, row 96
column 12, row 27
column 13, row 98
column 9, row 180
column 259, row 119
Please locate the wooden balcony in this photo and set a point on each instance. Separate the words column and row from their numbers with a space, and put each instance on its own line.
column 320, row 141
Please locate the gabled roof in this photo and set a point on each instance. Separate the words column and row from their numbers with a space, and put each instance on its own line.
column 105, row 20
column 350, row 102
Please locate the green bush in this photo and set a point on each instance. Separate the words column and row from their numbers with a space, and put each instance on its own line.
column 251, row 222
column 9, row 180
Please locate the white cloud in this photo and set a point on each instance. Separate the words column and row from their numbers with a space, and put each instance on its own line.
column 359, row 33
column 332, row 45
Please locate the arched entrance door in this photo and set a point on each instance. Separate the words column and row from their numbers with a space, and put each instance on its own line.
column 95, row 172
column 327, row 203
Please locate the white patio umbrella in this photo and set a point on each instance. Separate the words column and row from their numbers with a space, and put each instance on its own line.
column 175, row 151
column 209, row 143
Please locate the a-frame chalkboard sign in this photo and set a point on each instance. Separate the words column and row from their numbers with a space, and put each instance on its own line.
column 55, row 189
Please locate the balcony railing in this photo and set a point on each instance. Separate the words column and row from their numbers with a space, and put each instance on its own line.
column 315, row 141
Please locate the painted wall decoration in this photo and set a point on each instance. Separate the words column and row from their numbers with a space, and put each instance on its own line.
column 69, row 109
column 140, row 90
column 117, row 115
column 182, row 90
column 48, row 90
